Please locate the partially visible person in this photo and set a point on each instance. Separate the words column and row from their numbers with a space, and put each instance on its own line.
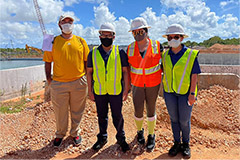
column 181, row 68
column 68, row 85
column 106, row 67
column 144, row 57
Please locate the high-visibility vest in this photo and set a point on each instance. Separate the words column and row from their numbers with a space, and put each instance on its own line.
column 177, row 78
column 145, row 72
column 107, row 80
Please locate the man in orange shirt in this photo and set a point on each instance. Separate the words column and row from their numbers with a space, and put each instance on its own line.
column 68, row 85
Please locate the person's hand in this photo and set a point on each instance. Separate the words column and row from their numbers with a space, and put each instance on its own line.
column 125, row 95
column 49, row 80
column 91, row 96
column 191, row 99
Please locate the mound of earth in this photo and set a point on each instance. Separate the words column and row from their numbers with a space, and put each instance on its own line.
column 214, row 134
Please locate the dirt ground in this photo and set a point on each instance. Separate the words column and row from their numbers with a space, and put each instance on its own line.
column 214, row 134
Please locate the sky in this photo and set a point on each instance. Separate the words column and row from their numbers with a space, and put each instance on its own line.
column 201, row 19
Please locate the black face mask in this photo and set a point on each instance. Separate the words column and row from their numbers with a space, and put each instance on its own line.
column 106, row 41
column 140, row 37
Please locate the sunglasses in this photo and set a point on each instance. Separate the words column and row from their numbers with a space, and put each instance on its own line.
column 169, row 38
column 138, row 32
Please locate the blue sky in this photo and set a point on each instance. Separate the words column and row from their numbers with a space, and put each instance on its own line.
column 201, row 19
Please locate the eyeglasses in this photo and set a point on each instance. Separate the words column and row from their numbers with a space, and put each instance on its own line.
column 106, row 36
column 138, row 32
column 169, row 38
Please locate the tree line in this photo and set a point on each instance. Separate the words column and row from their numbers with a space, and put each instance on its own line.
column 211, row 41
column 205, row 43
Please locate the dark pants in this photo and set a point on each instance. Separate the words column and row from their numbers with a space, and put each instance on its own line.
column 180, row 115
column 116, row 109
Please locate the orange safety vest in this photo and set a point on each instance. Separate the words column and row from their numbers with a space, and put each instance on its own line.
column 145, row 72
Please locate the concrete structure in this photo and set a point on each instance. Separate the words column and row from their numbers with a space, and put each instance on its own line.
column 227, row 80
column 21, row 81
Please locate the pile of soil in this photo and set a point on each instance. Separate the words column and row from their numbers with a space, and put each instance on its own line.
column 214, row 134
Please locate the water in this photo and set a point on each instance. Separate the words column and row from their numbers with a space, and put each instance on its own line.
column 19, row 63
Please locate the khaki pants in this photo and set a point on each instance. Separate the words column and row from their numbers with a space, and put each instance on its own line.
column 68, row 96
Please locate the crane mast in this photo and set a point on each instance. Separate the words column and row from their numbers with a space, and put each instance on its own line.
column 39, row 16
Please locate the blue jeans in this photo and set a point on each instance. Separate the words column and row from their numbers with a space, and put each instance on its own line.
column 180, row 115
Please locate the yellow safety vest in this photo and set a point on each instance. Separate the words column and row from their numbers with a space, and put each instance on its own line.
column 178, row 78
column 107, row 80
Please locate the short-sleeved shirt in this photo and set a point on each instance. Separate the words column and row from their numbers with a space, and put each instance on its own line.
column 105, row 56
column 68, row 56
column 175, row 57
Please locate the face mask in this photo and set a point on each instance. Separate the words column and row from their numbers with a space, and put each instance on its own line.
column 67, row 28
column 140, row 37
column 106, row 41
column 174, row 43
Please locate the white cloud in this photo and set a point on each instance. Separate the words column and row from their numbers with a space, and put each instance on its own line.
column 102, row 14
column 71, row 2
column 225, row 3
column 199, row 22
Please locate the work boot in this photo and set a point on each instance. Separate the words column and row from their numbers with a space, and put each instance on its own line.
column 77, row 140
column 57, row 142
column 123, row 144
column 186, row 151
column 150, row 142
column 140, row 137
column 100, row 143
column 174, row 149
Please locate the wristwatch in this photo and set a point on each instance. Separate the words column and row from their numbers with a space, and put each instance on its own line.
column 192, row 93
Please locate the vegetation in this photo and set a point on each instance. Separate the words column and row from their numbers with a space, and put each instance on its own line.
column 211, row 41
column 13, row 106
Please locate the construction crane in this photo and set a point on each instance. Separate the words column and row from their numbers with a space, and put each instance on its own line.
column 37, row 8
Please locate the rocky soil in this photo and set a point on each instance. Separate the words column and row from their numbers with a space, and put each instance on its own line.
column 214, row 135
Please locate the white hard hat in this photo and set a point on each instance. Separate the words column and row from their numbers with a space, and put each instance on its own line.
column 138, row 23
column 175, row 29
column 107, row 27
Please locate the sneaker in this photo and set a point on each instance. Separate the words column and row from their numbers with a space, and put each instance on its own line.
column 174, row 149
column 123, row 144
column 140, row 137
column 57, row 142
column 150, row 142
column 99, row 144
column 77, row 140
column 186, row 151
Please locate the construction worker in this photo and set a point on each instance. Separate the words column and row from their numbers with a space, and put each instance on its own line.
column 69, row 84
column 181, row 67
column 106, row 67
column 144, row 57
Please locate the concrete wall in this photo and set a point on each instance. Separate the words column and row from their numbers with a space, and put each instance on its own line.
column 227, row 80
column 221, row 69
column 21, row 81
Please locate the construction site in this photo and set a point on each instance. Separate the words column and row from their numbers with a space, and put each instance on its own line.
column 215, row 122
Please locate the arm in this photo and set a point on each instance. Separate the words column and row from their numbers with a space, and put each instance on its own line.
column 126, row 79
column 191, row 98
column 89, row 81
column 48, row 67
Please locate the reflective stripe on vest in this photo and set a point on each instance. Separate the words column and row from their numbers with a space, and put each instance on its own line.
column 107, row 80
column 172, row 74
column 147, row 70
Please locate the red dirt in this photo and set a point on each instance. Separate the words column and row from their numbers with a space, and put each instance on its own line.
column 214, row 135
